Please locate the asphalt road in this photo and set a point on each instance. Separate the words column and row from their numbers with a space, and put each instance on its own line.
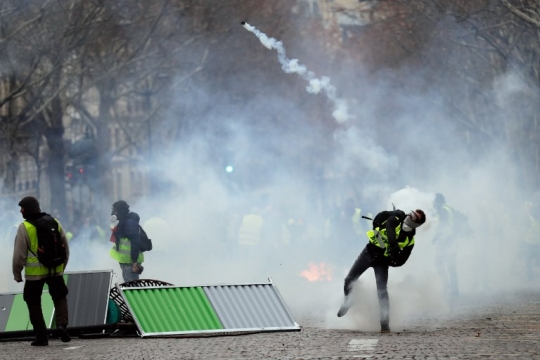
column 507, row 328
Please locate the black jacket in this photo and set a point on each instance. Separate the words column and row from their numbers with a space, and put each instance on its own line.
column 397, row 257
column 128, row 227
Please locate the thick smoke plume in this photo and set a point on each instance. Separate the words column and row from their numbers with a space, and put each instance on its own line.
column 291, row 66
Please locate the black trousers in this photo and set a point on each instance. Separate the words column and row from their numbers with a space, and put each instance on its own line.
column 361, row 264
column 33, row 289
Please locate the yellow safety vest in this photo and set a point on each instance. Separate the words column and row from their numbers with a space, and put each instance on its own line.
column 33, row 267
column 101, row 232
column 450, row 212
column 123, row 254
column 379, row 238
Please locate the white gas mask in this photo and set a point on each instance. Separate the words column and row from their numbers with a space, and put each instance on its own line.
column 406, row 227
column 409, row 224
column 113, row 218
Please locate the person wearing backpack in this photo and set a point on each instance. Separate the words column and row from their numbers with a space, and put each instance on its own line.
column 390, row 244
column 126, row 235
column 41, row 248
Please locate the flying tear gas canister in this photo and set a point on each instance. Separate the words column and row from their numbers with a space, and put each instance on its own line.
column 315, row 85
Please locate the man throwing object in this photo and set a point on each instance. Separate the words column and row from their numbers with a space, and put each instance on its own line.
column 390, row 244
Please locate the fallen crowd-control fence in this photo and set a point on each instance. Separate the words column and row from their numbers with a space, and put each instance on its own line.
column 152, row 308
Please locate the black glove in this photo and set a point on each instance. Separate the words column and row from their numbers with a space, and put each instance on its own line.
column 394, row 254
column 137, row 269
column 394, row 251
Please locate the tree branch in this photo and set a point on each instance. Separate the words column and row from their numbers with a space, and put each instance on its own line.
column 520, row 14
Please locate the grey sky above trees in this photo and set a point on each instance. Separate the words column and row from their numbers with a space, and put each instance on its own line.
column 91, row 58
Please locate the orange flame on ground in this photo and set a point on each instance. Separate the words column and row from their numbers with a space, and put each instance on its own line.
column 317, row 272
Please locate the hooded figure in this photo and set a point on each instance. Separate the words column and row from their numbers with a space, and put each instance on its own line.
column 126, row 250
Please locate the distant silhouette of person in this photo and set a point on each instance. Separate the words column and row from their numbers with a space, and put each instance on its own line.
column 531, row 243
column 446, row 244
column 126, row 249
column 345, row 229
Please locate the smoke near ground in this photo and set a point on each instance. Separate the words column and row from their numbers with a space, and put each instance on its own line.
column 194, row 222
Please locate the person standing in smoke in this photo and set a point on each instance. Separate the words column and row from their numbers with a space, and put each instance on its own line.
column 446, row 244
column 345, row 224
column 125, row 235
column 25, row 257
column 531, row 243
column 390, row 244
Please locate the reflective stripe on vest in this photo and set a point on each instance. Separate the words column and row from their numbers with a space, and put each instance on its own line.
column 123, row 254
column 33, row 267
column 450, row 212
column 378, row 238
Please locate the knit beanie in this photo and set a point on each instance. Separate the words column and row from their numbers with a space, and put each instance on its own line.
column 30, row 205
column 121, row 207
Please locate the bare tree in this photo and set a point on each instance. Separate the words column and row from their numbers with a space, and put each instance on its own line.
column 463, row 48
column 124, row 64
column 528, row 11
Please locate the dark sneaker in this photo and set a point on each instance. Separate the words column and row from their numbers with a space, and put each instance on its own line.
column 345, row 306
column 385, row 329
column 64, row 336
column 342, row 311
column 40, row 343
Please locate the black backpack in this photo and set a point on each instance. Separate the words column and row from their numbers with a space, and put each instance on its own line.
column 145, row 242
column 51, row 251
column 380, row 218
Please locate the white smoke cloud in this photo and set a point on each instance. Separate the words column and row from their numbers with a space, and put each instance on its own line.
column 291, row 66
column 414, row 154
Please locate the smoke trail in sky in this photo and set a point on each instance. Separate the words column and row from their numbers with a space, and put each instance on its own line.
column 340, row 112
